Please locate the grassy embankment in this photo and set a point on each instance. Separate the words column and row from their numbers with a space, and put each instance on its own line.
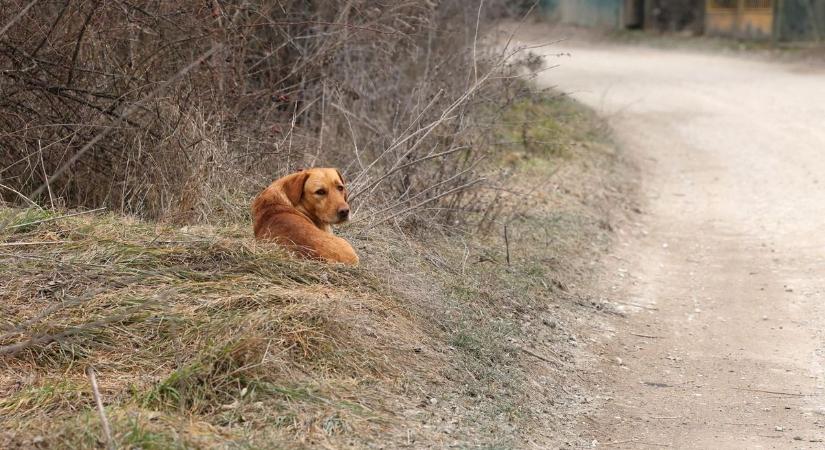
column 202, row 337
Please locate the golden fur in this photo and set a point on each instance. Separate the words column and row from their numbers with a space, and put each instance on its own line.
column 297, row 211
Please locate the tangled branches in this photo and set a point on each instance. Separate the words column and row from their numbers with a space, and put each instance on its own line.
column 182, row 110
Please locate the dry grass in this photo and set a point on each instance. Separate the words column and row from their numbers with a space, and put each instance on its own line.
column 203, row 338
column 187, row 321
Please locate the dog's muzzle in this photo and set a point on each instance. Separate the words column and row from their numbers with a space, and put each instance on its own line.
column 343, row 214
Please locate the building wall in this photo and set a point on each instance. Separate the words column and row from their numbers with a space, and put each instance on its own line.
column 800, row 20
column 590, row 13
column 787, row 20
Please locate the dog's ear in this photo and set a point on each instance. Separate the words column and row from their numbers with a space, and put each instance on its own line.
column 343, row 182
column 294, row 186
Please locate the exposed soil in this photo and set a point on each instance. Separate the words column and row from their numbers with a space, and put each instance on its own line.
column 722, row 278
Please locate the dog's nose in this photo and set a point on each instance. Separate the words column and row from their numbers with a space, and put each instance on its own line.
column 343, row 213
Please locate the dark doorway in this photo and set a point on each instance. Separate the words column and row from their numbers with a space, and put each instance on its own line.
column 675, row 15
column 634, row 14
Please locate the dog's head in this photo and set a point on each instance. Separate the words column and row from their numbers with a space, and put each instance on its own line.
column 319, row 193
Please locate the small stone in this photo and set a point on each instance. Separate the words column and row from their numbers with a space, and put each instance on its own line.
column 433, row 401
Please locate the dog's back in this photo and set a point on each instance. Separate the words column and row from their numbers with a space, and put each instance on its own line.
column 277, row 218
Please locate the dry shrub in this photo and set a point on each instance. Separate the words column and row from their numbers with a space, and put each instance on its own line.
column 183, row 110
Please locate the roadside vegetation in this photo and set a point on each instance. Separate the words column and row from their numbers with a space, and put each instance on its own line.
column 480, row 205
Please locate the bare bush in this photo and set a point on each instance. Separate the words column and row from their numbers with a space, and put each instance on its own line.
column 183, row 110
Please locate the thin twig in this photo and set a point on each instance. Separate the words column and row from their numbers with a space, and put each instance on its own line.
column 23, row 244
column 319, row 22
column 17, row 17
column 411, row 163
column 45, row 177
column 79, row 42
column 636, row 441
column 28, row 200
column 51, row 29
column 424, row 191
column 507, row 244
column 636, row 305
column 646, row 336
column 422, row 203
column 107, row 431
column 626, row 441
column 475, row 41
column 536, row 355
column 775, row 392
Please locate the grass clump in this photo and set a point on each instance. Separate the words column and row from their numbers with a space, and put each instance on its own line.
column 182, row 321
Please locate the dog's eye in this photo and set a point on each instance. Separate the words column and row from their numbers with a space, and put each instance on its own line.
column 341, row 188
column 321, row 192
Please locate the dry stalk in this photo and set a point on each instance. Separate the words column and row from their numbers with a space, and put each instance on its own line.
column 14, row 19
column 104, row 421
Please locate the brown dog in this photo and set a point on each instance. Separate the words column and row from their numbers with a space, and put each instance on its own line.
column 297, row 211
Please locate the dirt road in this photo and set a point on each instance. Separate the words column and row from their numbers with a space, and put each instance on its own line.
column 723, row 276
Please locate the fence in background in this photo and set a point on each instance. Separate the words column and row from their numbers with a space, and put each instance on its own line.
column 753, row 19
column 781, row 20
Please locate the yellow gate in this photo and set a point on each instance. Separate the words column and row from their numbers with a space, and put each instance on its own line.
column 740, row 18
